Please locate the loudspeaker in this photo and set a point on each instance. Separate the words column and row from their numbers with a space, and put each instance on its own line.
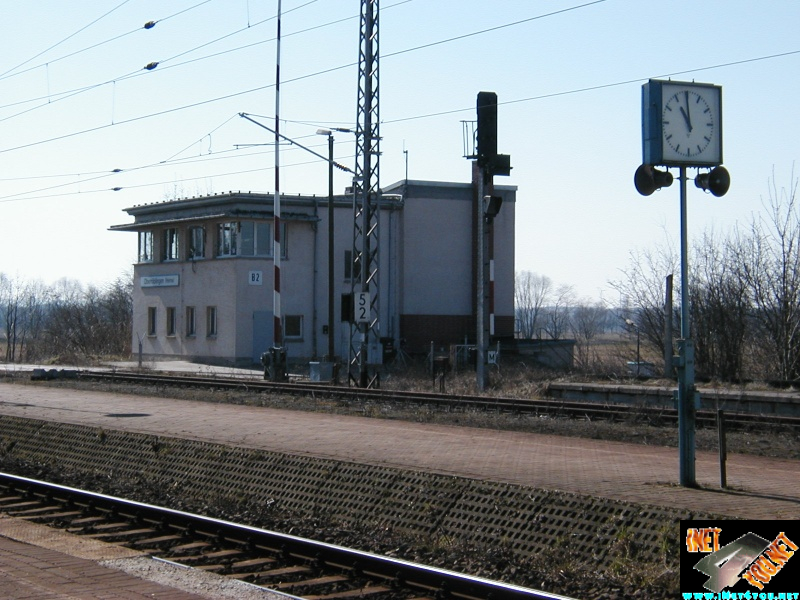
column 648, row 179
column 717, row 181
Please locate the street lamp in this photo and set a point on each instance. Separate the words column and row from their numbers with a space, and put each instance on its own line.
column 630, row 323
column 331, row 164
column 331, row 351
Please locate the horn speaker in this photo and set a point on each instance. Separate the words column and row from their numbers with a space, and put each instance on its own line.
column 648, row 179
column 717, row 181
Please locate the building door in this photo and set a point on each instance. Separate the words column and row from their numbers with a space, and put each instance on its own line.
column 263, row 332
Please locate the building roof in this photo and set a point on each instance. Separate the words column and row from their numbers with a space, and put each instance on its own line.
column 231, row 205
column 230, row 214
column 425, row 183
column 259, row 205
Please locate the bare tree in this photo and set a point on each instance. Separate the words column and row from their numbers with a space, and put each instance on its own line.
column 557, row 315
column 13, row 295
column 32, row 319
column 531, row 293
column 643, row 289
column 117, row 311
column 65, row 320
column 720, row 309
column 22, row 305
column 8, row 310
column 589, row 320
column 768, row 264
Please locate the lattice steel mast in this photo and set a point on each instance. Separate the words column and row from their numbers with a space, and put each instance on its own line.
column 366, row 205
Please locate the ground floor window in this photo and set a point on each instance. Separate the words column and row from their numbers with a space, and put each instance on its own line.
column 191, row 326
column 151, row 320
column 171, row 321
column 211, row 321
column 293, row 326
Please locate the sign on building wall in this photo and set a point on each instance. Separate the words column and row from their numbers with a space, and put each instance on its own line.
column 160, row 281
column 256, row 278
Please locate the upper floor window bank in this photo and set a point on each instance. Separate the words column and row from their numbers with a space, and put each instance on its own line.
column 230, row 239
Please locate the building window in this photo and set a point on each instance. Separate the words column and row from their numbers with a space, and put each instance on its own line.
column 351, row 267
column 227, row 239
column 151, row 320
column 197, row 243
column 248, row 238
column 256, row 238
column 171, row 244
column 211, row 321
column 191, row 327
column 264, row 238
column 145, row 246
column 284, row 240
column 293, row 326
column 171, row 321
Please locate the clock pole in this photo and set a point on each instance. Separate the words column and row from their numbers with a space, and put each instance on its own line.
column 684, row 362
column 682, row 127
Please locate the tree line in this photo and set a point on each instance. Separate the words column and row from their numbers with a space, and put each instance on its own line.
column 66, row 321
column 744, row 293
column 544, row 310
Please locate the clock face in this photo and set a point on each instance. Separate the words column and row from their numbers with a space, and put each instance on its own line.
column 688, row 123
column 691, row 124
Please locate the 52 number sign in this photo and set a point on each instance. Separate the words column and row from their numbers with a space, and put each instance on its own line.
column 362, row 309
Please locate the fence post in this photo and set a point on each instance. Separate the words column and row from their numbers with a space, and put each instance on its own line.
column 723, row 450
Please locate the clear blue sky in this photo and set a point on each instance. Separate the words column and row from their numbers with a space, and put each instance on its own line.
column 568, row 75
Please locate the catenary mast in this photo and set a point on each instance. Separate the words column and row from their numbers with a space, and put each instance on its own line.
column 365, row 334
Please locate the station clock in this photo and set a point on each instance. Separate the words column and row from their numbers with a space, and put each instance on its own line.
column 681, row 124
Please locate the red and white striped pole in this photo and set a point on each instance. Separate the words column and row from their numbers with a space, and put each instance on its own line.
column 276, row 237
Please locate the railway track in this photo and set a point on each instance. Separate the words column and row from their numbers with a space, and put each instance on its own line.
column 552, row 408
column 297, row 566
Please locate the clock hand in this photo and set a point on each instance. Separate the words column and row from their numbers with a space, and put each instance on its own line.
column 686, row 118
column 687, row 115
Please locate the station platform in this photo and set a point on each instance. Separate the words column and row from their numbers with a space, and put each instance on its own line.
column 41, row 563
column 758, row 487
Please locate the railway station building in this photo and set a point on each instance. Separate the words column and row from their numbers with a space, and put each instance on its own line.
column 203, row 281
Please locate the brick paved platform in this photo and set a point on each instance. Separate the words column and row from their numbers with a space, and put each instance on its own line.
column 761, row 488
column 41, row 563
column 34, row 573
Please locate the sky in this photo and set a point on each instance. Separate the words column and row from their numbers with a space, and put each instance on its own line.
column 86, row 130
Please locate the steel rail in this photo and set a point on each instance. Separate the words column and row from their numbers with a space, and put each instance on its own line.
column 536, row 406
column 394, row 573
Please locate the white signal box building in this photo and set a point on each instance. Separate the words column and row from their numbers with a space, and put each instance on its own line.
column 203, row 283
